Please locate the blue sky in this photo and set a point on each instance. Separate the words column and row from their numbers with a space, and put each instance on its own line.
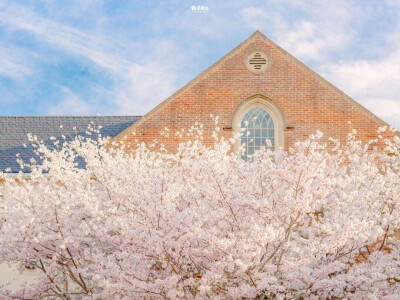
column 91, row 57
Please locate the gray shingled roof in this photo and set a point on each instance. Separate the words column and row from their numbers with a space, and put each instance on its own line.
column 14, row 130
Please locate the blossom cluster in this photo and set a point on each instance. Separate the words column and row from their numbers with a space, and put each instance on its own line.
column 316, row 222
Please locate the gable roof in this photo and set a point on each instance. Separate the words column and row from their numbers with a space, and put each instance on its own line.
column 14, row 131
column 257, row 33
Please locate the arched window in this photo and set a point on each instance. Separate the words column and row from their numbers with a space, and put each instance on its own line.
column 261, row 119
column 258, row 127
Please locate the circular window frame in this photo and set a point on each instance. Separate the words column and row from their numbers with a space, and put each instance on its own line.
column 249, row 67
column 271, row 108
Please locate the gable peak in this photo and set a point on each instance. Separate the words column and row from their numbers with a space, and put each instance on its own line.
column 258, row 32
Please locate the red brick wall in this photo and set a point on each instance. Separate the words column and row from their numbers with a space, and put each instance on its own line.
column 308, row 102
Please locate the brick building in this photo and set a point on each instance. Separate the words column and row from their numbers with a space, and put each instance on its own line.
column 258, row 79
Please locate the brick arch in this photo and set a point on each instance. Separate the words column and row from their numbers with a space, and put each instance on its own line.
column 273, row 109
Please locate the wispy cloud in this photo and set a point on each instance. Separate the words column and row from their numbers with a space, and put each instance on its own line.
column 318, row 28
column 14, row 63
column 144, row 86
column 375, row 83
column 70, row 104
column 67, row 38
column 138, row 86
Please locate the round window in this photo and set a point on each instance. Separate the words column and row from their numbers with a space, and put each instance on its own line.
column 257, row 61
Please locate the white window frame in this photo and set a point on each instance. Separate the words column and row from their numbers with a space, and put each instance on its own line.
column 271, row 108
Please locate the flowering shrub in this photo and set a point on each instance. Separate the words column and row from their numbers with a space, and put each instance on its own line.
column 316, row 222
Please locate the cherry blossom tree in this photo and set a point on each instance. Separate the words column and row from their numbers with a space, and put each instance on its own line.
column 312, row 223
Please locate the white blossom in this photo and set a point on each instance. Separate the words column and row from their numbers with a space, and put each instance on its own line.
column 310, row 223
